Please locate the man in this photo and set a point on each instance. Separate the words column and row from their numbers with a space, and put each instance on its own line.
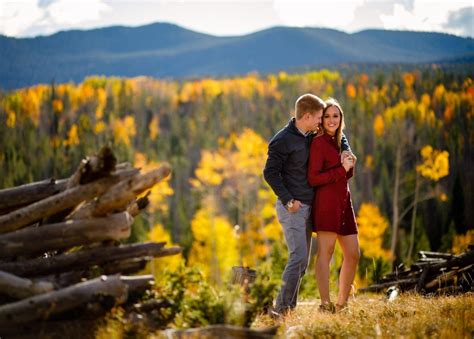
column 286, row 173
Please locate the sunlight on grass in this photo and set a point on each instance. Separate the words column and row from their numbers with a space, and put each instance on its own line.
column 409, row 315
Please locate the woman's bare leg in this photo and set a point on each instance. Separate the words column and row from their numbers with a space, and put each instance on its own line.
column 326, row 242
column 351, row 253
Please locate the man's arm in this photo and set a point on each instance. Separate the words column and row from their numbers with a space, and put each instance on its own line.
column 346, row 148
column 277, row 155
column 345, row 143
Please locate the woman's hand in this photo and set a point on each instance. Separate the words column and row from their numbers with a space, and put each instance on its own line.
column 348, row 163
column 345, row 154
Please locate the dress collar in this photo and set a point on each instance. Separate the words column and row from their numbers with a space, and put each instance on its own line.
column 331, row 139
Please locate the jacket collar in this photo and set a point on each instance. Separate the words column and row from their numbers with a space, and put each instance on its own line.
column 295, row 130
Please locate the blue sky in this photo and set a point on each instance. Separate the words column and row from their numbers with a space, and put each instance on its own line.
column 26, row 18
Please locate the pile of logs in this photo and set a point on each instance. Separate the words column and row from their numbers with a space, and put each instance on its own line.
column 60, row 241
column 433, row 272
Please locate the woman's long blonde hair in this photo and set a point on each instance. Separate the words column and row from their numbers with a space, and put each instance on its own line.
column 333, row 102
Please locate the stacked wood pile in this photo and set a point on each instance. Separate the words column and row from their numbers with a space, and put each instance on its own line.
column 433, row 272
column 60, row 241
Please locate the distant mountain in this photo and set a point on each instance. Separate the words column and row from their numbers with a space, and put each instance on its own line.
column 166, row 50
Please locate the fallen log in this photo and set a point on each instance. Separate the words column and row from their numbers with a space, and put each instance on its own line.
column 65, row 235
column 463, row 259
column 44, row 306
column 445, row 278
column 223, row 331
column 20, row 288
column 16, row 197
column 119, row 196
column 59, row 202
column 81, row 259
column 431, row 272
column 438, row 255
column 129, row 266
column 93, row 167
column 138, row 283
column 89, row 169
column 137, row 206
column 134, row 265
column 402, row 283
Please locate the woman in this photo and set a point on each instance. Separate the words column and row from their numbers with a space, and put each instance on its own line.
column 333, row 215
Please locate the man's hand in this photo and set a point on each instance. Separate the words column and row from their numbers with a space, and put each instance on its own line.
column 296, row 206
column 346, row 154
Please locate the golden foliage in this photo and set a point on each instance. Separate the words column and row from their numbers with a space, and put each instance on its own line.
column 23, row 104
column 214, row 248
column 369, row 162
column 379, row 126
column 238, row 157
column 99, row 127
column 272, row 229
column 462, row 241
column 170, row 263
column 435, row 163
column 408, row 79
column 210, row 169
column 124, row 129
column 234, row 172
column 101, row 102
column 351, row 91
column 11, row 119
column 161, row 191
column 250, row 155
column 154, row 127
column 243, row 87
column 72, row 136
column 372, row 225
column 58, row 106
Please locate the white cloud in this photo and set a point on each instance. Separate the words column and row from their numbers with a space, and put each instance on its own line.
column 426, row 15
column 16, row 16
column 26, row 17
column 317, row 13
column 72, row 12
column 233, row 17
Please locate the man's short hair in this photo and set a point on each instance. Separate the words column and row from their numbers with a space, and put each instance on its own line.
column 308, row 103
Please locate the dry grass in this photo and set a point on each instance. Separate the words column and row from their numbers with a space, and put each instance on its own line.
column 408, row 316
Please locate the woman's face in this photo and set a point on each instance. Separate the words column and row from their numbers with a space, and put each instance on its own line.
column 331, row 120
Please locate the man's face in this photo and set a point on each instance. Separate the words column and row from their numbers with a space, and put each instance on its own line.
column 314, row 121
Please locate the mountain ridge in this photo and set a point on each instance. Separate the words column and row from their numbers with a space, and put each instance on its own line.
column 168, row 50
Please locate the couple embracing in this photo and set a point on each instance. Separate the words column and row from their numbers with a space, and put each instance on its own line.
column 308, row 167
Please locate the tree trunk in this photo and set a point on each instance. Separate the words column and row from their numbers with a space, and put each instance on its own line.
column 44, row 306
column 396, row 188
column 20, row 288
column 65, row 235
column 413, row 216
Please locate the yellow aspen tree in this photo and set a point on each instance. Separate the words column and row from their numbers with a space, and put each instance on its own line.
column 214, row 249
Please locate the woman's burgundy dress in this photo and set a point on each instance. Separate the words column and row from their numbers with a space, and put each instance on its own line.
column 332, row 205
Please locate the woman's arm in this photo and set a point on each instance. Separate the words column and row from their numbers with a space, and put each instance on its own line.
column 316, row 174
